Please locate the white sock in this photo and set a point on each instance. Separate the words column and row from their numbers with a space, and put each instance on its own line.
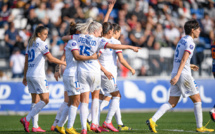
column 118, row 116
column 64, row 117
column 83, row 115
column 95, row 111
column 103, row 104
column 71, row 116
column 198, row 114
column 100, row 101
column 34, row 118
column 161, row 111
column 59, row 112
column 114, row 105
column 89, row 117
column 35, row 110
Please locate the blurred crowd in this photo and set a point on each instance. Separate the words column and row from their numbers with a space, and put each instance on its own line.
column 151, row 24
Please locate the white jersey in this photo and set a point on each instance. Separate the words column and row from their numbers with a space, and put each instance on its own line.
column 88, row 45
column 71, row 67
column 185, row 44
column 36, row 58
column 108, row 58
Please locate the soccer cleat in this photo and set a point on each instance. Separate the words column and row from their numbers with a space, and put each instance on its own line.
column 109, row 126
column 83, row 131
column 88, row 126
column 123, row 128
column 103, row 130
column 204, row 129
column 95, row 128
column 25, row 123
column 71, row 131
column 38, row 129
column 52, row 128
column 151, row 124
column 212, row 114
column 60, row 129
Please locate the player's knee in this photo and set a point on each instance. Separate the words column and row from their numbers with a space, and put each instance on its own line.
column 76, row 102
column 173, row 105
column 46, row 100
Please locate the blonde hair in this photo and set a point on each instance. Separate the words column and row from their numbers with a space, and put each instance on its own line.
column 89, row 27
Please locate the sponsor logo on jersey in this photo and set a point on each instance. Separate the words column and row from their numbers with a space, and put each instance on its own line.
column 73, row 44
column 46, row 47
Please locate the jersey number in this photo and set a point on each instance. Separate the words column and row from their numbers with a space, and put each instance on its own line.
column 84, row 50
column 31, row 55
column 177, row 51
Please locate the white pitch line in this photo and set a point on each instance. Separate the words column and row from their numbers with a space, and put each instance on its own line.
column 171, row 130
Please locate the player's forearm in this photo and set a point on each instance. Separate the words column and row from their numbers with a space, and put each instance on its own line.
column 107, row 15
column 26, row 65
column 83, row 58
column 125, row 64
column 118, row 46
column 102, row 68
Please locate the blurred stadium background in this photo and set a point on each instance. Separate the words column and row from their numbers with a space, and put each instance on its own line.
column 154, row 25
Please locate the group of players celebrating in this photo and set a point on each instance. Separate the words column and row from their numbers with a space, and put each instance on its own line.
column 91, row 66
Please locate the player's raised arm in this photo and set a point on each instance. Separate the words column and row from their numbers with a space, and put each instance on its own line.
column 118, row 46
column 110, row 8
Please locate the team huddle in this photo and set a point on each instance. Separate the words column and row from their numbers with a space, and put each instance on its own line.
column 90, row 57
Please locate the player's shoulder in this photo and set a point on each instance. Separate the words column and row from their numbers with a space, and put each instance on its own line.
column 71, row 43
column 115, row 41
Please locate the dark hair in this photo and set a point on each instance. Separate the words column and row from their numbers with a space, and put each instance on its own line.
column 116, row 27
column 106, row 27
column 72, row 29
column 189, row 25
column 39, row 29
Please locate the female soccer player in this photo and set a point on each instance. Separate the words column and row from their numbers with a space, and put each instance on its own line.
column 72, row 85
column 34, row 72
column 89, row 71
column 182, row 83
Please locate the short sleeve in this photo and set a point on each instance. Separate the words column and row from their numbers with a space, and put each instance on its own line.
column 190, row 48
column 102, row 43
column 119, row 50
column 101, row 51
column 72, row 45
column 44, row 49
column 75, row 36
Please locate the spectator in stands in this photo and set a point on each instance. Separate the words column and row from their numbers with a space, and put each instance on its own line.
column 207, row 25
column 143, row 71
column 158, row 35
column 4, row 15
column 76, row 11
column 54, row 14
column 211, row 11
column 17, row 61
column 65, row 12
column 172, row 35
column 10, row 36
column 91, row 10
column 20, row 44
column 41, row 13
column 3, row 76
column 33, row 19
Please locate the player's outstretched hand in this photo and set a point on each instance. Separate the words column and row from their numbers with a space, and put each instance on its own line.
column 111, row 4
column 174, row 80
column 108, row 75
column 24, row 81
column 132, row 71
column 135, row 49
column 95, row 56
column 194, row 67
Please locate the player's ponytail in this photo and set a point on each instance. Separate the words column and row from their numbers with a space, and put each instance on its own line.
column 116, row 28
column 83, row 27
column 39, row 29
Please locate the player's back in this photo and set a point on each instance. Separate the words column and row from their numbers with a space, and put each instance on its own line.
column 185, row 44
column 88, row 45
column 36, row 58
column 108, row 58
column 71, row 66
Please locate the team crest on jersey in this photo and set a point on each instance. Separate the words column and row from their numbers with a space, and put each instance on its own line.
column 73, row 44
column 191, row 46
column 103, row 40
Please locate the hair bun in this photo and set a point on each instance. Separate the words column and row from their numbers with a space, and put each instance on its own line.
column 72, row 24
column 89, row 20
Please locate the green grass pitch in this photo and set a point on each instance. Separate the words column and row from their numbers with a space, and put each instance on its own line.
column 170, row 123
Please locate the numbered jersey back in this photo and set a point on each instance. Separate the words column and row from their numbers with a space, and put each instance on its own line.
column 185, row 44
column 88, row 45
column 36, row 58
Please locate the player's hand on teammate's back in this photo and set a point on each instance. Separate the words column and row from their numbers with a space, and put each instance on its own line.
column 132, row 71
column 194, row 67
column 174, row 80
column 108, row 75
column 95, row 56
column 24, row 81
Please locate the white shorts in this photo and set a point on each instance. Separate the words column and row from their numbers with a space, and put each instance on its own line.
column 108, row 86
column 89, row 81
column 186, row 86
column 105, row 94
column 71, row 85
column 37, row 85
